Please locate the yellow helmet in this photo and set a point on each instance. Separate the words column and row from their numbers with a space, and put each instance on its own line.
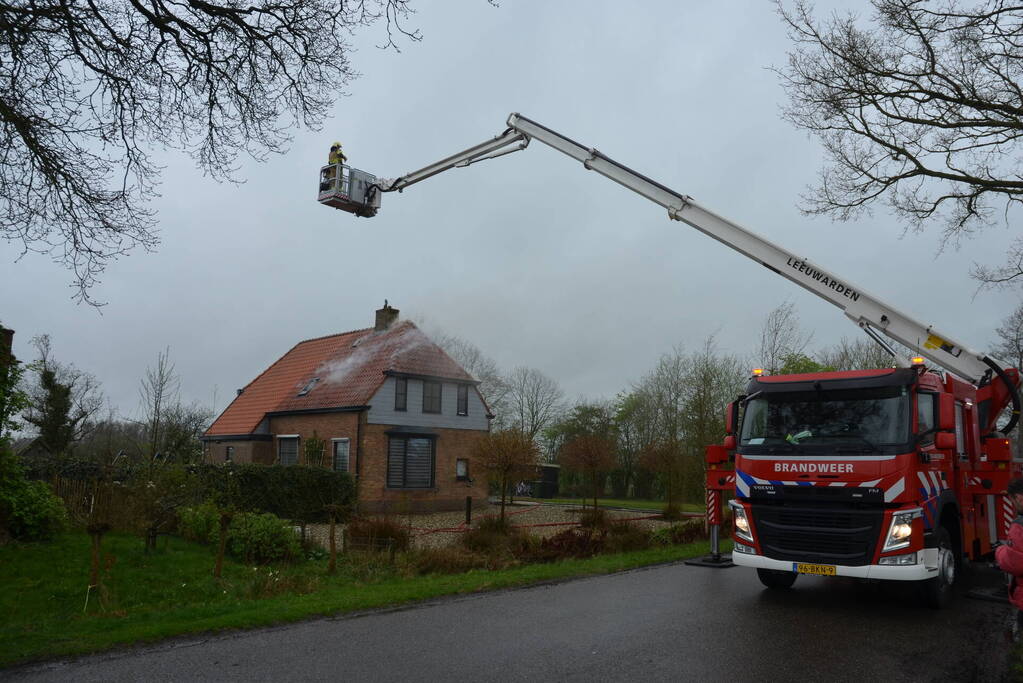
column 336, row 145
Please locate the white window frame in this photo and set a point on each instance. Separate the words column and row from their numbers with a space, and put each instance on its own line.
column 333, row 454
column 298, row 445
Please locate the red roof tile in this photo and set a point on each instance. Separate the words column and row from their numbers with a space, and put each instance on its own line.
column 350, row 368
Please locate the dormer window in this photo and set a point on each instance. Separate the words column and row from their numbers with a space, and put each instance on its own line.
column 309, row 386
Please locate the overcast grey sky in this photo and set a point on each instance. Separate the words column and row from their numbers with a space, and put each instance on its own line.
column 531, row 257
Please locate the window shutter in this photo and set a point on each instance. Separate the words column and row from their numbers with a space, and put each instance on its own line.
column 396, row 463
column 419, row 464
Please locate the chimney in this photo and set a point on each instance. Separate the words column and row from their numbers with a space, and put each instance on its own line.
column 385, row 317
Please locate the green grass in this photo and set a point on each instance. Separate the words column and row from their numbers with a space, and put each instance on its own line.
column 620, row 503
column 172, row 591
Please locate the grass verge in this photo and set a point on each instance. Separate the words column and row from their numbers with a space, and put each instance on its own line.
column 172, row 592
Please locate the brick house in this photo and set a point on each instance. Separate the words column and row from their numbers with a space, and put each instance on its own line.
column 391, row 406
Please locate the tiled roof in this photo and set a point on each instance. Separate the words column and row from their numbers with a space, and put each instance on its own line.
column 350, row 368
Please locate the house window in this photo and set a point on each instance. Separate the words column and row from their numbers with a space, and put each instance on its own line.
column 410, row 462
column 463, row 399
column 287, row 450
column 462, row 469
column 400, row 393
column 431, row 397
column 341, row 460
column 229, row 454
column 309, row 386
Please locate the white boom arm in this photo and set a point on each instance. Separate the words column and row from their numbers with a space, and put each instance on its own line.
column 863, row 309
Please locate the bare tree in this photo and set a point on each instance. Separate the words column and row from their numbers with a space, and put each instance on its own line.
column 157, row 392
column 1009, row 347
column 534, row 400
column 90, row 88
column 781, row 336
column 592, row 456
column 860, row 353
column 920, row 108
column 507, row 456
column 483, row 368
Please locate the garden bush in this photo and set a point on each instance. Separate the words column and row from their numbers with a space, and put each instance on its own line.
column 378, row 533
column 262, row 538
column 491, row 536
column 678, row 534
column 29, row 511
column 200, row 524
column 32, row 512
column 573, row 542
column 623, row 537
column 594, row 518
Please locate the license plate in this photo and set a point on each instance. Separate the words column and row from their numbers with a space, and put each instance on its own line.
column 818, row 569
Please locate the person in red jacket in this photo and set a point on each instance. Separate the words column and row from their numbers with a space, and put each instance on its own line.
column 1009, row 555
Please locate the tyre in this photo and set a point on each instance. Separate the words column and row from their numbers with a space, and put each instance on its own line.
column 776, row 580
column 937, row 592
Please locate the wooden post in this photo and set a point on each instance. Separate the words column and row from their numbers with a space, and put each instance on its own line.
column 468, row 510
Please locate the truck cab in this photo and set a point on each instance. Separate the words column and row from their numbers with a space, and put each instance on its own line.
column 878, row 474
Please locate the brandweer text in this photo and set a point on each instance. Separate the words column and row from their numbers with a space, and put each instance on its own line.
column 828, row 467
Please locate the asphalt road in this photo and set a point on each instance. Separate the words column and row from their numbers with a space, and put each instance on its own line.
column 670, row 622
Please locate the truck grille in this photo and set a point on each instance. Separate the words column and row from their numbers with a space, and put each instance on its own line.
column 826, row 535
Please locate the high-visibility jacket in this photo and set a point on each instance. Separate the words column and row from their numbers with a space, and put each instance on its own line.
column 336, row 157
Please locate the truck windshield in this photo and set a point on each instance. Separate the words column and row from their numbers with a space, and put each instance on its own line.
column 858, row 420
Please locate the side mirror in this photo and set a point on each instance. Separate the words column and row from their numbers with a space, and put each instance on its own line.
column 946, row 412
column 731, row 417
column 730, row 442
column 945, row 441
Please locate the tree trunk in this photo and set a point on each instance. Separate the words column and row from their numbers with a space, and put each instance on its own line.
column 97, row 540
column 332, row 564
column 225, row 521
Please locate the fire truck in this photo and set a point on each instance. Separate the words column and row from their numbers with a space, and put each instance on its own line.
column 894, row 474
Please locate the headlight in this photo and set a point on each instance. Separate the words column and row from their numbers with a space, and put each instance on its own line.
column 900, row 531
column 741, row 522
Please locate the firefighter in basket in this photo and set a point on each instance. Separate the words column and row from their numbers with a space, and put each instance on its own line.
column 335, row 159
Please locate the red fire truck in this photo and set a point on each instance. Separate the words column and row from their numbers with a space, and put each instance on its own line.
column 893, row 474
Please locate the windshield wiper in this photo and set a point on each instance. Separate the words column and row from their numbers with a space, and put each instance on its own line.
column 870, row 447
column 780, row 448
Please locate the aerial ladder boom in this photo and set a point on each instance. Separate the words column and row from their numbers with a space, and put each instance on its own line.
column 865, row 310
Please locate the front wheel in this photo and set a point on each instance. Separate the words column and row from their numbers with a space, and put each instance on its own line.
column 776, row 580
column 938, row 591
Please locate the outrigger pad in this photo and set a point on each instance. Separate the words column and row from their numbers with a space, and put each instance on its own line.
column 722, row 562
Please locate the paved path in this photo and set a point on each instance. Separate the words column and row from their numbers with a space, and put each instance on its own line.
column 670, row 622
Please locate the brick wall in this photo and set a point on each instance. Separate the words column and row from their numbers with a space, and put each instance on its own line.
column 447, row 493
column 245, row 452
column 368, row 460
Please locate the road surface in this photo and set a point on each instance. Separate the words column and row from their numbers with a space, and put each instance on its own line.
column 670, row 622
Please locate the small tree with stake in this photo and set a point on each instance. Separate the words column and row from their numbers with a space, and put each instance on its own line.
column 507, row 456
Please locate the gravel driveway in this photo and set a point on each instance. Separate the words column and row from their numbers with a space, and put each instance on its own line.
column 445, row 528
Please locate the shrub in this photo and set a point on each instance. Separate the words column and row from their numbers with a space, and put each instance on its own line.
column 200, row 524
column 29, row 511
column 492, row 536
column 678, row 534
column 595, row 518
column 449, row 561
column 33, row 513
column 672, row 513
column 575, row 542
column 625, row 537
column 262, row 538
column 378, row 533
